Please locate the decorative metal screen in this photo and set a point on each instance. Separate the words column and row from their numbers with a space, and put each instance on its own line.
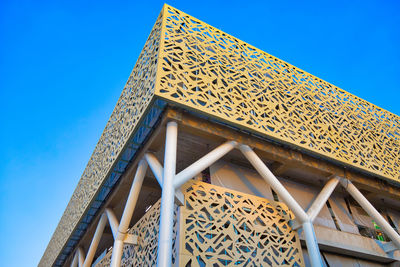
column 222, row 227
column 145, row 253
column 196, row 66
column 207, row 70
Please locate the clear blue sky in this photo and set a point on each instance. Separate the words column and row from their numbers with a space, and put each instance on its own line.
column 63, row 65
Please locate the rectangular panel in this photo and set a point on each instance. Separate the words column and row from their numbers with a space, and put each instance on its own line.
column 207, row 70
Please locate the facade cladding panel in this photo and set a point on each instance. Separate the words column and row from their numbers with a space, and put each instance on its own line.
column 191, row 65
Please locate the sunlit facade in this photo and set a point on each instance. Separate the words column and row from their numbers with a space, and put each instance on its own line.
column 219, row 154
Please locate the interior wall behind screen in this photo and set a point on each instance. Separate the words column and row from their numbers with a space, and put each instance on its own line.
column 240, row 179
column 248, row 181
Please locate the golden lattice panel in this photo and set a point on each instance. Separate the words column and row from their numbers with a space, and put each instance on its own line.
column 195, row 66
column 145, row 253
column 106, row 261
column 222, row 227
column 147, row 228
column 205, row 69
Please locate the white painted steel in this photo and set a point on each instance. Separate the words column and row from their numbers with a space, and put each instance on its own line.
column 74, row 262
column 95, row 241
column 270, row 178
column 301, row 215
column 128, row 212
column 112, row 219
column 155, row 166
column 322, row 197
column 164, row 257
column 203, row 163
column 81, row 257
column 312, row 245
column 133, row 197
column 117, row 251
column 367, row 206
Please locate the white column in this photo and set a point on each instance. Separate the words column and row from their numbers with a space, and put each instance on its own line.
column 312, row 244
column 301, row 215
column 127, row 214
column 367, row 206
column 270, row 178
column 322, row 197
column 155, row 166
column 113, row 221
column 74, row 262
column 95, row 240
column 203, row 163
column 81, row 257
column 164, row 257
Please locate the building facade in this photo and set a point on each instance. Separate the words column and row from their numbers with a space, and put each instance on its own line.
column 219, row 154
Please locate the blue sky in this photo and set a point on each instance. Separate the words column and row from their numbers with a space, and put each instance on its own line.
column 63, row 65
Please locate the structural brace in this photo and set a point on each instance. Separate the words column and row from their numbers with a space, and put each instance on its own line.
column 171, row 182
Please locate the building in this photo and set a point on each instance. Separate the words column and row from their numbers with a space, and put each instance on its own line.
column 249, row 160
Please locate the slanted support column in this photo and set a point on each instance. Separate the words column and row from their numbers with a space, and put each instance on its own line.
column 203, row 163
column 301, row 215
column 113, row 221
column 74, row 262
column 81, row 257
column 367, row 206
column 95, row 240
column 164, row 257
column 322, row 197
column 155, row 167
column 127, row 214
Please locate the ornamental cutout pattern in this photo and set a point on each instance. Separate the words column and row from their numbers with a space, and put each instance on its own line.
column 223, row 227
column 207, row 70
column 145, row 253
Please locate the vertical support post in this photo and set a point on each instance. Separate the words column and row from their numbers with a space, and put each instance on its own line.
column 367, row 206
column 164, row 257
column 127, row 214
column 312, row 244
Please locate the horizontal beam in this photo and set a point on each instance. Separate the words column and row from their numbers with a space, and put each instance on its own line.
column 131, row 239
